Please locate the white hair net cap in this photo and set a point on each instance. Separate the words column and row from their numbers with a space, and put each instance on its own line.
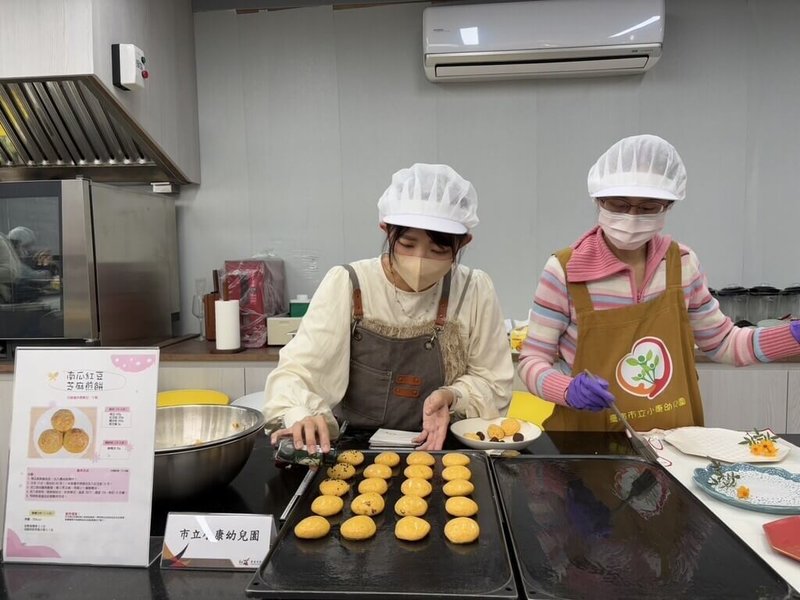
column 432, row 197
column 22, row 236
column 644, row 166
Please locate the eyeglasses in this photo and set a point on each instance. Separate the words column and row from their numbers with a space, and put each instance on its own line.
column 647, row 207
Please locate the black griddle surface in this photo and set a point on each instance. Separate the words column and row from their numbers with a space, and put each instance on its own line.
column 596, row 527
column 384, row 566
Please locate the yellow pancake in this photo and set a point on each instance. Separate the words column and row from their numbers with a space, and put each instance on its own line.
column 418, row 471
column 462, row 530
column 351, row 457
column 410, row 505
column 367, row 504
column 50, row 441
column 416, row 487
column 510, row 426
column 411, row 529
column 457, row 472
column 373, row 484
column 76, row 440
column 63, row 420
column 334, row 487
column 420, row 458
column 359, row 527
column 454, row 459
column 460, row 506
column 341, row 471
column 390, row 459
column 378, row 470
column 327, row 506
column 458, row 487
column 312, row 527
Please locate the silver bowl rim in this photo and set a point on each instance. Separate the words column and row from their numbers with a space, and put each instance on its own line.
column 259, row 424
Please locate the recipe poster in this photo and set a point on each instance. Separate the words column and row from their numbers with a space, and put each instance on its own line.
column 80, row 475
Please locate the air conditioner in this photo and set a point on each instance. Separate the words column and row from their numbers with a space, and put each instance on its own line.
column 542, row 38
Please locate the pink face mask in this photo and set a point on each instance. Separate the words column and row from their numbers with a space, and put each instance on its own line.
column 420, row 273
column 629, row 232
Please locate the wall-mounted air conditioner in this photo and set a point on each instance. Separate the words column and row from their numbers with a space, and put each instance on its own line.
column 542, row 38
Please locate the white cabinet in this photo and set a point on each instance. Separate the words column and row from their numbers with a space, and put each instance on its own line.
column 233, row 379
column 744, row 398
column 255, row 378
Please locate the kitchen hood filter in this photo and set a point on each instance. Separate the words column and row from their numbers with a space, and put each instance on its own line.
column 62, row 127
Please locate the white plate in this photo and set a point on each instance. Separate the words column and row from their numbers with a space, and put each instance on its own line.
column 772, row 490
column 720, row 444
column 255, row 400
column 459, row 428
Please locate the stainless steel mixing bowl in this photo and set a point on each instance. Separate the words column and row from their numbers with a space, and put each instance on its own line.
column 199, row 446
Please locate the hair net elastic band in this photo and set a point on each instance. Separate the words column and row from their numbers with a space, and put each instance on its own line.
column 428, row 222
column 636, row 191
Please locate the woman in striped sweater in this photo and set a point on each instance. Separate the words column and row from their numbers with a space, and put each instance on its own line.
column 616, row 315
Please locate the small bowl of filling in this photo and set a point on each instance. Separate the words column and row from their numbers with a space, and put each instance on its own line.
column 502, row 433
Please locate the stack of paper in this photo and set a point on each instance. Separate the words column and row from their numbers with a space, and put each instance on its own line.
column 393, row 438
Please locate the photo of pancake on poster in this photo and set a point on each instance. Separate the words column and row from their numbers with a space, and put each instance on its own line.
column 62, row 432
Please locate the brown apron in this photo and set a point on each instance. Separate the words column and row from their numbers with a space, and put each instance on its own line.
column 390, row 378
column 646, row 353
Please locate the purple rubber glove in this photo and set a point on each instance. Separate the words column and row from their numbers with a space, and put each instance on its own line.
column 587, row 392
column 794, row 327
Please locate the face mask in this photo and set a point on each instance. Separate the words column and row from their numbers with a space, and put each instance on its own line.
column 629, row 232
column 420, row 273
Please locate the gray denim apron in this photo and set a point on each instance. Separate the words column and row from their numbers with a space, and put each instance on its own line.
column 390, row 377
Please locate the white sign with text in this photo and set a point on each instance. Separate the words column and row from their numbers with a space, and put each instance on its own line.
column 217, row 541
column 80, row 477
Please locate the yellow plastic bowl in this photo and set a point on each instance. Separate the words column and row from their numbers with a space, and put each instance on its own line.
column 182, row 397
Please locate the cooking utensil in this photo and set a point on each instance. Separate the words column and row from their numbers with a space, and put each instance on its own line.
column 201, row 446
column 299, row 492
column 639, row 444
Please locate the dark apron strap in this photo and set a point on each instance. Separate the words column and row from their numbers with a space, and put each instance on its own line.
column 463, row 295
column 441, row 313
column 358, row 307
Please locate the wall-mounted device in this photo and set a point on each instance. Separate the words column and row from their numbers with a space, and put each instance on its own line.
column 128, row 66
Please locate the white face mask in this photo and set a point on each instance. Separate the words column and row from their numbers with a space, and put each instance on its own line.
column 418, row 272
column 629, row 232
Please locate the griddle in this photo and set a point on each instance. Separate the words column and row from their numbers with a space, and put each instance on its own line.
column 383, row 566
column 619, row 527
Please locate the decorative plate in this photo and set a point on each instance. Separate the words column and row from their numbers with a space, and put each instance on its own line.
column 460, row 429
column 784, row 536
column 722, row 444
column 763, row 489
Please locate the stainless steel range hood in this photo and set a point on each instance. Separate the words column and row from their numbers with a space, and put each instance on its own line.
column 60, row 127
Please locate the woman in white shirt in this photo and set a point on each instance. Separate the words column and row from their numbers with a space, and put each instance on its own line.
column 404, row 340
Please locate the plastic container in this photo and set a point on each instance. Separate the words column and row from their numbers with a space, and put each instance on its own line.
column 733, row 302
column 298, row 306
column 789, row 302
column 762, row 303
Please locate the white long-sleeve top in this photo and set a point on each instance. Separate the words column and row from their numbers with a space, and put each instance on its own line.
column 313, row 371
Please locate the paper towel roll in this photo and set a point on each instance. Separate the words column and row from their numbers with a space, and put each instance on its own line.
column 226, row 313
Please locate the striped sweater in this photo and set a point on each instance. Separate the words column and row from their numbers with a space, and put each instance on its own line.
column 548, row 352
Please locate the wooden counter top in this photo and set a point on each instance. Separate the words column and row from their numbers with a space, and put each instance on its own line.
column 204, row 351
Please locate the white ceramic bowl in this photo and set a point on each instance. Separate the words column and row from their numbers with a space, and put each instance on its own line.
column 529, row 431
